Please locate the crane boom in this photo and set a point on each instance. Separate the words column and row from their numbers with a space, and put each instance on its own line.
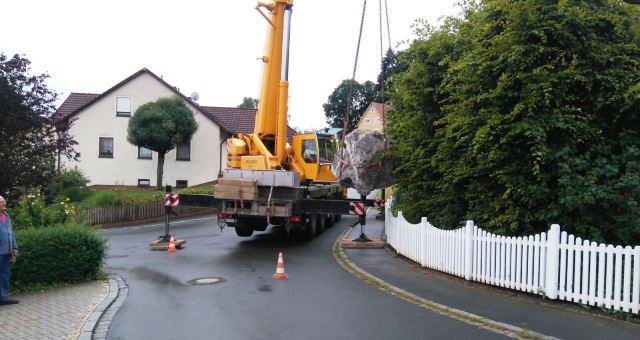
column 271, row 118
column 267, row 148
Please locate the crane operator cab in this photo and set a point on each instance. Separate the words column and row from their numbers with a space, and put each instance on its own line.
column 314, row 154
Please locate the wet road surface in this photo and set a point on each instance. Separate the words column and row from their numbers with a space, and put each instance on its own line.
column 319, row 300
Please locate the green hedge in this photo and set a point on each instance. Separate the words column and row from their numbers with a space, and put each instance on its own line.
column 57, row 254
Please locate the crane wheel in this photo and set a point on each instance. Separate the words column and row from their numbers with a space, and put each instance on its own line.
column 322, row 223
column 311, row 227
column 241, row 227
column 331, row 220
column 243, row 232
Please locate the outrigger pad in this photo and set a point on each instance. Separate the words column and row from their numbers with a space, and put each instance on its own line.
column 359, row 163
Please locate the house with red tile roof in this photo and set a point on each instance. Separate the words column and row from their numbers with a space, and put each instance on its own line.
column 100, row 124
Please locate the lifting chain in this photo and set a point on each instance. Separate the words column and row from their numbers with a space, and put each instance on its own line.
column 353, row 78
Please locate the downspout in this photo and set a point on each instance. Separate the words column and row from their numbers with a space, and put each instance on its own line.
column 58, row 151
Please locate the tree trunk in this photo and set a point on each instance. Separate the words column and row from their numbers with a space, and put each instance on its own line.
column 160, row 169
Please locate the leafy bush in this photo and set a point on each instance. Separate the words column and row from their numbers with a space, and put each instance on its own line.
column 32, row 212
column 99, row 199
column 68, row 183
column 73, row 193
column 197, row 190
column 58, row 254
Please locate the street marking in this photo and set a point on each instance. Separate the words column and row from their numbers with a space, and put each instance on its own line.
column 457, row 314
column 146, row 226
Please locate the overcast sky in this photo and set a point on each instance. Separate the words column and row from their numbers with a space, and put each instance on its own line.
column 210, row 47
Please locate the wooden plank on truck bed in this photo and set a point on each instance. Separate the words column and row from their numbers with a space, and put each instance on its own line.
column 234, row 189
column 231, row 195
column 224, row 190
column 237, row 182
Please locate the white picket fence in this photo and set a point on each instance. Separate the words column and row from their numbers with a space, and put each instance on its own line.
column 553, row 264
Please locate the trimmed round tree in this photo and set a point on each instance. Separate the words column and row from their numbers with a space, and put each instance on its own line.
column 161, row 126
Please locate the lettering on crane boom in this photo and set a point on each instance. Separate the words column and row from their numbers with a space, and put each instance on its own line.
column 357, row 208
column 171, row 200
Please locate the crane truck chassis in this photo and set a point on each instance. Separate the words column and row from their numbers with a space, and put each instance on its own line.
column 305, row 210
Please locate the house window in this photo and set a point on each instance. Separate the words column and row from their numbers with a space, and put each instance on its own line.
column 123, row 106
column 105, row 147
column 144, row 153
column 367, row 120
column 182, row 183
column 144, row 182
column 376, row 120
column 183, row 152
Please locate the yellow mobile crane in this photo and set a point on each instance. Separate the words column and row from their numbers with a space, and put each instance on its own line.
column 268, row 181
column 267, row 148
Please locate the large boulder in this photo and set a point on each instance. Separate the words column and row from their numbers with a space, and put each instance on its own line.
column 359, row 163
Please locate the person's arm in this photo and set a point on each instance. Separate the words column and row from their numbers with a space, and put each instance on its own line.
column 12, row 242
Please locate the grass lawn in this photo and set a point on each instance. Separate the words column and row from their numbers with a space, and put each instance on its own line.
column 104, row 198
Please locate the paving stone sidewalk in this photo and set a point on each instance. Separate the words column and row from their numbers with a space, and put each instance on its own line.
column 53, row 314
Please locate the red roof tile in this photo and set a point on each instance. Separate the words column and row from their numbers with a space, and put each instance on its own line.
column 72, row 103
column 378, row 107
column 237, row 120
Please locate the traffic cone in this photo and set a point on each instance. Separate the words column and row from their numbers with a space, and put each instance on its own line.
column 280, row 274
column 172, row 245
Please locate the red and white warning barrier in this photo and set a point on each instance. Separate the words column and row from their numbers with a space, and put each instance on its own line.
column 357, row 208
column 171, row 200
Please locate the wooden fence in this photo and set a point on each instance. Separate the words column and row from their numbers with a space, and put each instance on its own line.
column 127, row 213
column 553, row 264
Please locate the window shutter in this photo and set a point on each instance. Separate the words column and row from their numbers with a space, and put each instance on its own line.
column 123, row 105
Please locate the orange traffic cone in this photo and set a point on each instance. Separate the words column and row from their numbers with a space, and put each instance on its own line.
column 172, row 245
column 280, row 274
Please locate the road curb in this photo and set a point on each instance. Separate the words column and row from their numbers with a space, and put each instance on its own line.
column 97, row 325
column 460, row 315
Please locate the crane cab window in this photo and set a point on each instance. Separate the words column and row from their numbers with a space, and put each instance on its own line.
column 309, row 151
column 327, row 149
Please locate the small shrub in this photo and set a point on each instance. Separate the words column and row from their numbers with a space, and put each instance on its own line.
column 73, row 193
column 32, row 212
column 68, row 183
column 58, row 254
column 197, row 190
column 102, row 198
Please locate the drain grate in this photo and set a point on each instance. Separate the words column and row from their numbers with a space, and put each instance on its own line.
column 205, row 281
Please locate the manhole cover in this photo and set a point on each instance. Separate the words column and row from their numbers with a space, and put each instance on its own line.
column 203, row 281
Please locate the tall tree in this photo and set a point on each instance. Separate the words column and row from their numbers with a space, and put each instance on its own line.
column 336, row 105
column 161, row 126
column 29, row 139
column 525, row 114
column 390, row 67
column 249, row 103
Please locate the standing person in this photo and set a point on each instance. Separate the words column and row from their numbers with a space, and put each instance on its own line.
column 8, row 253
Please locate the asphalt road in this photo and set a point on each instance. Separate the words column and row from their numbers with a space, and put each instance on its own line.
column 319, row 300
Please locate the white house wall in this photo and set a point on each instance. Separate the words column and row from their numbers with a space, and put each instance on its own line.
column 371, row 114
column 99, row 120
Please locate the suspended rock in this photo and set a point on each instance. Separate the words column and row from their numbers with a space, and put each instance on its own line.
column 359, row 164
